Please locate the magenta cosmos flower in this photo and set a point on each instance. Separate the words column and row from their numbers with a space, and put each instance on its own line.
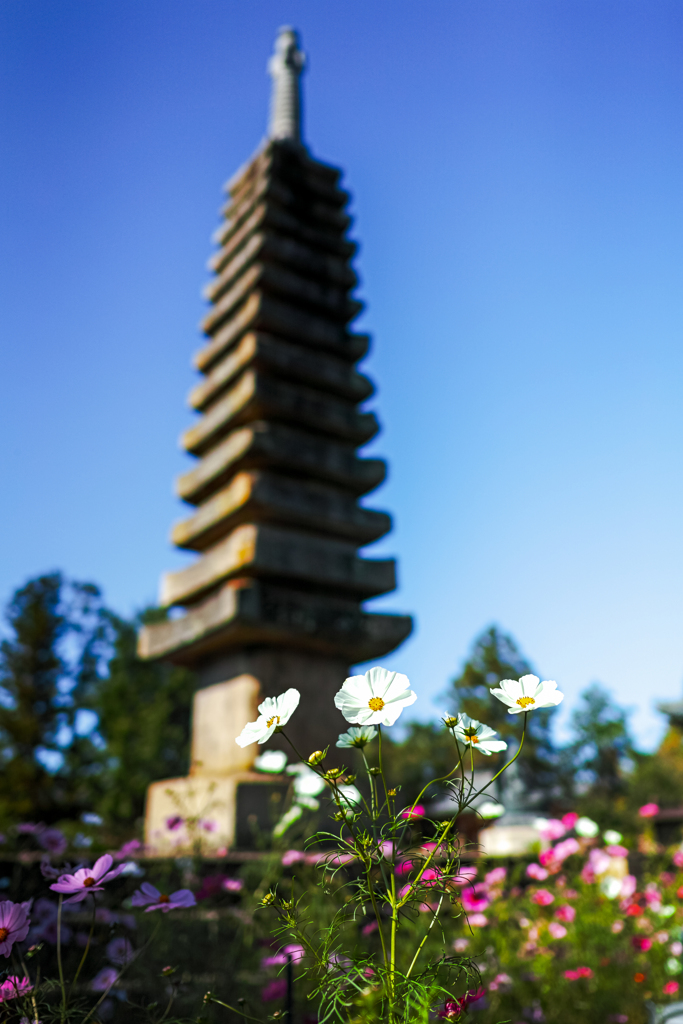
column 14, row 924
column 87, row 880
column 14, row 986
column 148, row 894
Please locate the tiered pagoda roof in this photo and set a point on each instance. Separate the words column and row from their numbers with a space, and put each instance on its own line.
column 276, row 521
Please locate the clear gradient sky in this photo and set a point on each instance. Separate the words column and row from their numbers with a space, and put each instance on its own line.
column 517, row 172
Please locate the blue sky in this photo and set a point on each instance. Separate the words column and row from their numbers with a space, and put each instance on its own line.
column 516, row 167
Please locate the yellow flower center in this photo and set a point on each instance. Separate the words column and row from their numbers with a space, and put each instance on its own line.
column 163, row 898
column 524, row 702
column 273, row 719
column 375, row 703
column 87, row 882
column 474, row 739
column 4, row 932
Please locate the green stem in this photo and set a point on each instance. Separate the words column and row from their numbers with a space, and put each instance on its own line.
column 59, row 957
column 87, row 947
column 426, row 936
column 234, row 1009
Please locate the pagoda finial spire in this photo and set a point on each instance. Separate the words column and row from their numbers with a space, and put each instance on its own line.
column 285, row 67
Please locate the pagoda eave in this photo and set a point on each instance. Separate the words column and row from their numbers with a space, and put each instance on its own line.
column 248, row 612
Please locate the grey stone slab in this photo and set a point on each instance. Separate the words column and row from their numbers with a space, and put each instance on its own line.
column 263, row 312
column 328, row 301
column 248, row 612
column 262, row 496
column 266, row 246
column 257, row 396
column 276, row 552
column 264, row 445
column 286, row 359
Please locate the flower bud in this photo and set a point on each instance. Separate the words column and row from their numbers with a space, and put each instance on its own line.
column 450, row 721
column 316, row 757
column 267, row 899
column 333, row 773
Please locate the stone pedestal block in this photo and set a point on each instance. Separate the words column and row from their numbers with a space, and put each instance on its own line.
column 217, row 812
column 220, row 713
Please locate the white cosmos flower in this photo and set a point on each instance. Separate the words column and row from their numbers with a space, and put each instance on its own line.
column 377, row 698
column 481, row 737
column 527, row 694
column 274, row 712
column 271, row 761
column 357, row 736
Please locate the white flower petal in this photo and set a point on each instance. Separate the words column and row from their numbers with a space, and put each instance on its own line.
column 358, row 693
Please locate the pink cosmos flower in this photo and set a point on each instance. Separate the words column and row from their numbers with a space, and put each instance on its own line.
column 676, row 948
column 649, row 810
column 149, row 894
column 14, row 924
column 290, row 857
column 404, row 867
column 52, row 840
column 569, row 820
column 580, row 972
column 495, row 876
column 536, row 871
column 565, row 913
column 671, row 988
column 275, row 989
column 369, row 928
column 430, row 876
column 104, row 979
column 410, row 813
column 120, row 950
column 678, row 858
column 128, row 849
column 232, row 884
column 641, row 943
column 542, row 897
column 460, row 945
column 466, row 873
column 616, row 851
column 565, row 849
column 478, row 920
column 174, row 823
column 500, row 981
column 475, row 898
column 628, row 886
column 14, row 986
column 87, row 880
column 553, row 829
column 558, row 931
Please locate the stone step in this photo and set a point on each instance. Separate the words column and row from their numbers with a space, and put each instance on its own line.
column 251, row 612
column 273, row 445
column 262, row 550
column 263, row 312
column 283, row 358
column 257, row 396
column 262, row 496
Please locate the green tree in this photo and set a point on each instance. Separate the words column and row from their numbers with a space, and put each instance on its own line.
column 47, row 666
column 143, row 711
column 495, row 656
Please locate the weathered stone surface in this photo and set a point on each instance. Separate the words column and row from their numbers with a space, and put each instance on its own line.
column 263, row 216
column 257, row 396
column 293, row 362
column 220, row 713
column 274, row 551
column 262, row 312
column 268, row 247
column 227, row 802
column 248, row 612
column 263, row 496
column 274, row 445
column 329, row 301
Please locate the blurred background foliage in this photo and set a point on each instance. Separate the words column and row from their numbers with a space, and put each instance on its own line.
column 85, row 726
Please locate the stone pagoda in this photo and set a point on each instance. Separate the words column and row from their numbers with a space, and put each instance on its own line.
column 275, row 597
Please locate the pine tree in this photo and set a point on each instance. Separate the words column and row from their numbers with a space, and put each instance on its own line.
column 495, row 656
column 45, row 669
